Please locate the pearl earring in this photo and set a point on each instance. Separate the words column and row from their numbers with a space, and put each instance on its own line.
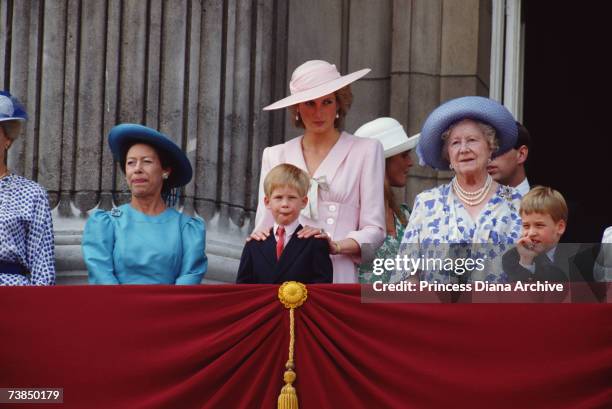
column 164, row 175
column 297, row 117
column 450, row 166
column 337, row 115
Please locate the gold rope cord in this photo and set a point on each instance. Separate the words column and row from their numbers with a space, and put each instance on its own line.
column 292, row 295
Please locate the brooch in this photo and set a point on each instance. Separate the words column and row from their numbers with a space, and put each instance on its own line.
column 506, row 193
column 115, row 212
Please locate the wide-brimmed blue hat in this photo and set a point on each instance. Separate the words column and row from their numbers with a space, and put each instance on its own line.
column 122, row 136
column 11, row 110
column 429, row 148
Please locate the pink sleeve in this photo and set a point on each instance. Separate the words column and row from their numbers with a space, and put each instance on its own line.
column 263, row 217
column 372, row 227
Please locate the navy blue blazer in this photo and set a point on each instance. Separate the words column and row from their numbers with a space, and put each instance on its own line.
column 303, row 260
column 579, row 262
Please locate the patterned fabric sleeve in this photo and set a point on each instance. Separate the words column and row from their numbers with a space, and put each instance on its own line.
column 194, row 262
column 39, row 242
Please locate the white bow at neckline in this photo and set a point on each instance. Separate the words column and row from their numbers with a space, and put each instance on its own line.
column 312, row 208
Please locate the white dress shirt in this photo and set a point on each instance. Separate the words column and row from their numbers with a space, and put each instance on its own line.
column 289, row 230
column 523, row 187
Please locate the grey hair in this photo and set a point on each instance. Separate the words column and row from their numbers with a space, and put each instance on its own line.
column 487, row 130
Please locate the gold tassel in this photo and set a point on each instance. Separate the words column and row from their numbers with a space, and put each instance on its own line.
column 288, row 397
column 292, row 295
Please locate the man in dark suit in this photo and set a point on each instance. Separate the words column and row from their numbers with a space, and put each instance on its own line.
column 283, row 256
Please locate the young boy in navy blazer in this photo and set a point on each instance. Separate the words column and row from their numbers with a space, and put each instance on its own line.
column 538, row 255
column 283, row 256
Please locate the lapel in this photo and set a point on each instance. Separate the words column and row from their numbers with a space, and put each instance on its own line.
column 268, row 249
column 332, row 161
column 564, row 253
column 335, row 157
column 289, row 254
column 294, row 154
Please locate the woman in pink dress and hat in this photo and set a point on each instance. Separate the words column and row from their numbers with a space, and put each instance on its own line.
column 346, row 203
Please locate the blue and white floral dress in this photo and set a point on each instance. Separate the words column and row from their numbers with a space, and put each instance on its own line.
column 441, row 228
column 26, row 233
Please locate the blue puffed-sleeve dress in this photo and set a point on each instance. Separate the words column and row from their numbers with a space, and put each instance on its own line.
column 125, row 246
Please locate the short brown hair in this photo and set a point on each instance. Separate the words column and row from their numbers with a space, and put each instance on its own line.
column 344, row 100
column 545, row 200
column 284, row 175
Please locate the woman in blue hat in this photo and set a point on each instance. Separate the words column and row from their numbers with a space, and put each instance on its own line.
column 472, row 210
column 26, row 227
column 146, row 241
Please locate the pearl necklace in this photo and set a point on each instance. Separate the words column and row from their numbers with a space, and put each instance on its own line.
column 473, row 198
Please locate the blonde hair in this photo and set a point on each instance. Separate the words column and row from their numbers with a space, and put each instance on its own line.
column 344, row 100
column 284, row 175
column 545, row 200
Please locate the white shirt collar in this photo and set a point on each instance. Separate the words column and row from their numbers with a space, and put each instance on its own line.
column 289, row 229
column 523, row 187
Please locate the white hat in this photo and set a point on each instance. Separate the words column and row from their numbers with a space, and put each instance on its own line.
column 314, row 79
column 390, row 133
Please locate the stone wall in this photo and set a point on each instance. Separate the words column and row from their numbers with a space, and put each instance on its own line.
column 200, row 71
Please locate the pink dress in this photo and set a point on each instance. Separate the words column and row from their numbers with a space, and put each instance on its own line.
column 346, row 196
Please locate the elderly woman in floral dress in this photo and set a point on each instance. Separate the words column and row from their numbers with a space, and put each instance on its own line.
column 472, row 216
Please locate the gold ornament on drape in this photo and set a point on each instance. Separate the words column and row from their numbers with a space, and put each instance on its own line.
column 292, row 295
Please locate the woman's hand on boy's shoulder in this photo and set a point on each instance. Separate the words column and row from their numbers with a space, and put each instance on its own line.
column 317, row 233
column 258, row 235
column 309, row 231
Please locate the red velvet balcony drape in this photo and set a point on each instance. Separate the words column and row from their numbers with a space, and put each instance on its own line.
column 225, row 347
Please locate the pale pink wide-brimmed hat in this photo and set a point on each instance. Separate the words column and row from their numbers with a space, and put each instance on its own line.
column 314, row 79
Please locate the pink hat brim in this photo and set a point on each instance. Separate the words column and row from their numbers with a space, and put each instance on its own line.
column 318, row 91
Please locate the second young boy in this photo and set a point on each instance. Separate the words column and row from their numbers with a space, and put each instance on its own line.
column 536, row 256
